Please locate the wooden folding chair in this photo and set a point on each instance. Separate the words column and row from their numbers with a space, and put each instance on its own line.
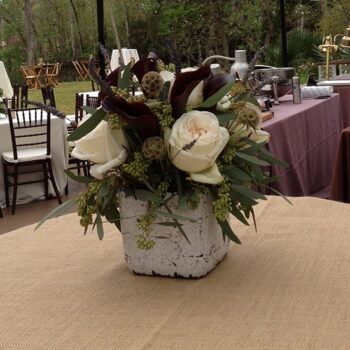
column 30, row 77
column 51, row 73
column 82, row 74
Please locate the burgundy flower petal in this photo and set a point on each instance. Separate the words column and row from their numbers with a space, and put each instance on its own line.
column 112, row 80
column 215, row 83
column 143, row 66
column 137, row 115
column 183, row 86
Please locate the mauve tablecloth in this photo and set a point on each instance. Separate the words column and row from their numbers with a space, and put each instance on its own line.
column 305, row 136
column 344, row 92
column 341, row 176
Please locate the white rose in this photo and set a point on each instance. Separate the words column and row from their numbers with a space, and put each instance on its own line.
column 199, row 160
column 102, row 146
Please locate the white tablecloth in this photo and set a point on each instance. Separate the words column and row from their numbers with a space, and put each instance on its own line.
column 28, row 193
column 128, row 54
column 5, row 83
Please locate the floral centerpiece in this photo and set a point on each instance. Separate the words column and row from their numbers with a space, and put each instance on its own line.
column 186, row 140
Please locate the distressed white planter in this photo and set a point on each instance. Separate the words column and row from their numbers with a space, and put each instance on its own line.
column 173, row 256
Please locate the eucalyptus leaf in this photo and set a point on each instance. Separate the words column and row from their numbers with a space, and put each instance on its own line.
column 144, row 195
column 252, row 159
column 166, row 223
column 269, row 157
column 89, row 110
column 99, row 225
column 112, row 214
column 227, row 231
column 280, row 194
column 61, row 209
column 214, row 99
column 124, row 80
column 78, row 178
column 247, row 192
column 165, row 92
column 226, row 117
column 175, row 216
column 238, row 214
column 89, row 125
column 233, row 172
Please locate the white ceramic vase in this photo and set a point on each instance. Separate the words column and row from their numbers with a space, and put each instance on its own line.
column 172, row 255
column 240, row 67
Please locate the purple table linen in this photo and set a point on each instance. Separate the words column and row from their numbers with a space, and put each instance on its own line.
column 341, row 175
column 305, row 136
column 344, row 92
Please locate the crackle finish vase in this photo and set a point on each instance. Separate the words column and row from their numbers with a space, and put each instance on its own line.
column 173, row 255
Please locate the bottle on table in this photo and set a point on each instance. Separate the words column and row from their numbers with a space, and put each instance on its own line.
column 296, row 90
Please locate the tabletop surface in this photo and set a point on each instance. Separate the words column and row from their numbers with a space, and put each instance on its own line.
column 286, row 287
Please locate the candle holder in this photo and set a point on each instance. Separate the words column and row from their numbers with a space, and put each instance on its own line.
column 328, row 47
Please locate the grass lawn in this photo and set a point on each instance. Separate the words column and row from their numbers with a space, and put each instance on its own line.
column 64, row 95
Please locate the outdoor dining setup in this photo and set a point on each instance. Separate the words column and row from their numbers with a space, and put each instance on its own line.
column 174, row 175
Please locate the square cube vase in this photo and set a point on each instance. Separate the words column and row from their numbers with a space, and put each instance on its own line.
column 172, row 255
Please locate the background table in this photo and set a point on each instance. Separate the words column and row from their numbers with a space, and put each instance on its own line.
column 344, row 92
column 341, row 176
column 305, row 136
column 286, row 287
column 28, row 193
column 128, row 54
column 5, row 83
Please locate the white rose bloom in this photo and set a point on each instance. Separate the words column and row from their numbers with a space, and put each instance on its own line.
column 102, row 146
column 199, row 160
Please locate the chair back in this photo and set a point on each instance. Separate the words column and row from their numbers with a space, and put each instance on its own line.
column 48, row 95
column 29, row 127
column 79, row 102
column 19, row 98
column 92, row 102
column 80, row 70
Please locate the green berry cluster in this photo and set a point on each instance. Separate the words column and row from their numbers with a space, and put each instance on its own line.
column 162, row 188
column 144, row 242
column 133, row 99
column 138, row 167
column 197, row 190
column 229, row 152
column 144, row 222
column 115, row 121
column 87, row 204
column 120, row 92
column 163, row 113
column 223, row 204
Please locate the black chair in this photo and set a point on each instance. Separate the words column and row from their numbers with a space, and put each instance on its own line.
column 19, row 98
column 48, row 96
column 75, row 163
column 93, row 102
column 30, row 135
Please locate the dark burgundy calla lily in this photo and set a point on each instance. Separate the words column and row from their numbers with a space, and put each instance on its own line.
column 215, row 83
column 136, row 114
column 143, row 66
column 112, row 80
column 183, row 86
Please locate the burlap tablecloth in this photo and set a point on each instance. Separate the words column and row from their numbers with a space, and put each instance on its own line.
column 285, row 287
